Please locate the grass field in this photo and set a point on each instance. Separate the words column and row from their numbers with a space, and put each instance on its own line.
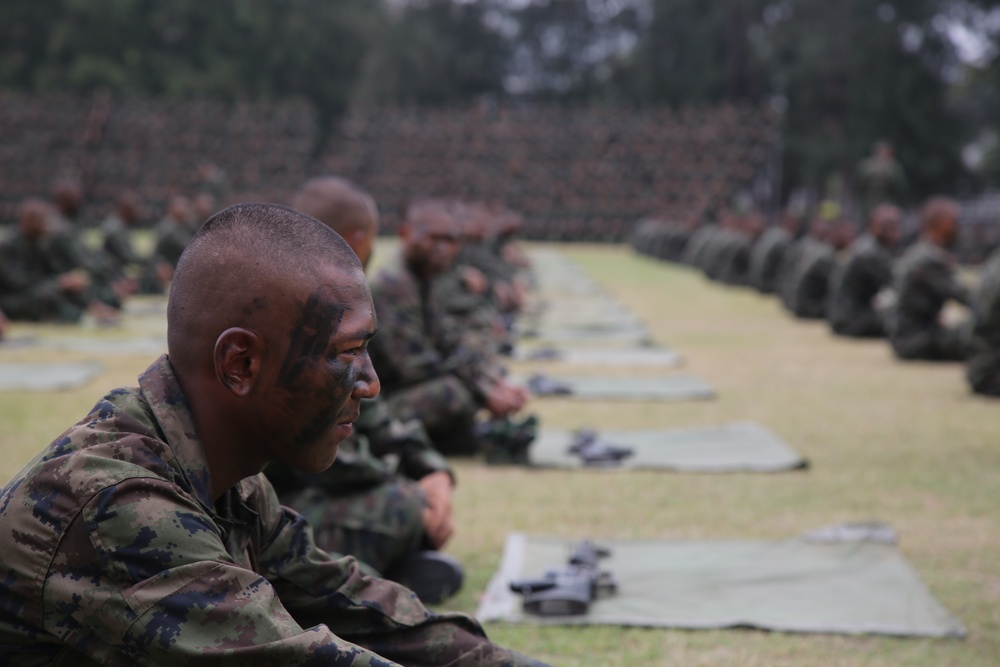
column 902, row 443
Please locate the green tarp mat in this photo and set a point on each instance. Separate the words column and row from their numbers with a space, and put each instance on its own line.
column 667, row 388
column 589, row 337
column 17, row 376
column 596, row 356
column 736, row 447
column 795, row 585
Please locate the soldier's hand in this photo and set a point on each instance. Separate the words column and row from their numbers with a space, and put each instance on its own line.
column 103, row 313
column 125, row 287
column 475, row 280
column 505, row 398
column 436, row 516
column 73, row 281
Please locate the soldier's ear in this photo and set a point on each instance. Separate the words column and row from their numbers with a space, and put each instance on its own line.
column 237, row 358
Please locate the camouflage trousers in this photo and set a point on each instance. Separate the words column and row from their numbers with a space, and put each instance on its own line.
column 983, row 369
column 931, row 342
column 448, row 643
column 50, row 308
column 445, row 406
column 378, row 525
column 857, row 323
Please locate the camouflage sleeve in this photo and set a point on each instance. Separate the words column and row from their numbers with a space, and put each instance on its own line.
column 402, row 348
column 408, row 440
column 377, row 614
column 144, row 573
column 941, row 279
column 118, row 245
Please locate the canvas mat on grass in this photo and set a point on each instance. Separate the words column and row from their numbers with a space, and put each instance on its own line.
column 597, row 356
column 18, row 376
column 736, row 447
column 667, row 388
column 795, row 585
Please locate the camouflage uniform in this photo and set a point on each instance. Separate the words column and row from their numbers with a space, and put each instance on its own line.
column 118, row 554
column 766, row 259
column 29, row 272
column 924, row 281
column 172, row 239
column 699, row 240
column 118, row 244
column 881, row 181
column 121, row 253
column 858, row 277
column 805, row 279
column 428, row 372
column 367, row 503
column 983, row 367
column 475, row 315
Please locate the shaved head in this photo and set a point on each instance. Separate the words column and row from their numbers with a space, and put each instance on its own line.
column 243, row 258
column 268, row 324
column 343, row 207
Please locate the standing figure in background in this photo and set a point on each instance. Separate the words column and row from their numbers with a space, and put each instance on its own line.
column 881, row 179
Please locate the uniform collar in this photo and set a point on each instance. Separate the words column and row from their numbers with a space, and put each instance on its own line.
column 162, row 392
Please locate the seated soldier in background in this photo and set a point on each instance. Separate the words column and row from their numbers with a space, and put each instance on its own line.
column 44, row 274
column 153, row 273
column 175, row 230
column 146, row 534
column 983, row 367
column 924, row 282
column 429, row 371
column 768, row 252
column 464, row 291
column 861, row 274
column 805, row 278
column 386, row 500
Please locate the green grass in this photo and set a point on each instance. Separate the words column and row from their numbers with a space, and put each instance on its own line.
column 903, row 443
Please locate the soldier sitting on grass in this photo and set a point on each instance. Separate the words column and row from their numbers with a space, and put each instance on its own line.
column 386, row 500
column 146, row 533
column 924, row 282
column 861, row 274
column 430, row 372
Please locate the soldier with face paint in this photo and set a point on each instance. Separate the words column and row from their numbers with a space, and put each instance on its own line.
column 386, row 500
column 146, row 533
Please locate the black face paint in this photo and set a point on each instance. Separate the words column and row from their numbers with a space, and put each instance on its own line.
column 310, row 337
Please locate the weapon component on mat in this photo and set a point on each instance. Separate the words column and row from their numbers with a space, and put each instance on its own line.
column 594, row 451
column 568, row 591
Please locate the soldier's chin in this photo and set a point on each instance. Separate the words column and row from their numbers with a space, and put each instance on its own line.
column 322, row 459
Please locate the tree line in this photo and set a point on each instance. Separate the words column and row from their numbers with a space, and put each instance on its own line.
column 845, row 73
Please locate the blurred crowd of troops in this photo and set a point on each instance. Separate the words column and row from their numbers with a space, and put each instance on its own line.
column 873, row 280
column 53, row 269
column 576, row 174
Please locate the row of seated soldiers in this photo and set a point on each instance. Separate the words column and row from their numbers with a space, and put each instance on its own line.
column 445, row 307
column 445, row 304
column 50, row 272
column 863, row 285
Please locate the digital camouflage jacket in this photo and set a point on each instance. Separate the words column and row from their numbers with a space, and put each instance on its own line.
column 116, row 553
